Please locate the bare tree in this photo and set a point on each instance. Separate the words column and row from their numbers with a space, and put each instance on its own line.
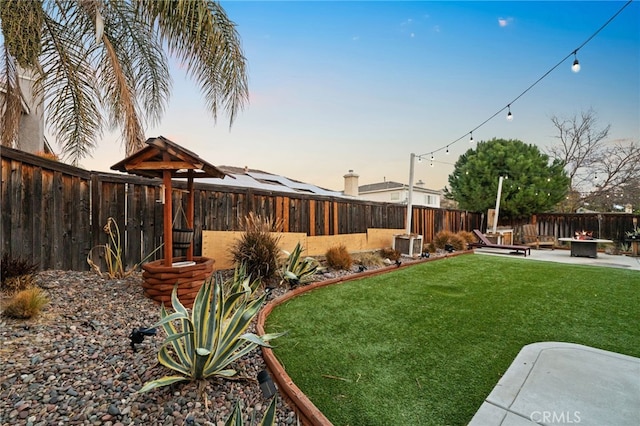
column 599, row 169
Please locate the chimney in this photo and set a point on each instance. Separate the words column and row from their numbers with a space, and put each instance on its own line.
column 351, row 184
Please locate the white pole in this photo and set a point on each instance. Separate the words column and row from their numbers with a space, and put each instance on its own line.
column 409, row 205
column 495, row 217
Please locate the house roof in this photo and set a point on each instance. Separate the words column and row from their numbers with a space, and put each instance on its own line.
column 258, row 179
column 390, row 186
column 162, row 154
column 151, row 162
column 381, row 186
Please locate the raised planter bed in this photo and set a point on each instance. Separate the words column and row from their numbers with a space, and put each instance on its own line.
column 158, row 280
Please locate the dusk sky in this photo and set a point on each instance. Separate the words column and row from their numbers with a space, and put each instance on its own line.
column 338, row 86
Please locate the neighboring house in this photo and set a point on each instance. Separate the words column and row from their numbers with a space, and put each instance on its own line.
column 392, row 192
column 31, row 137
column 257, row 179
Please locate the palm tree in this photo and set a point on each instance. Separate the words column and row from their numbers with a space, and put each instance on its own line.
column 107, row 59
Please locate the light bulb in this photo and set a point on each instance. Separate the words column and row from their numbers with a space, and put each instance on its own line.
column 509, row 115
column 576, row 64
column 471, row 140
column 419, row 159
column 447, row 151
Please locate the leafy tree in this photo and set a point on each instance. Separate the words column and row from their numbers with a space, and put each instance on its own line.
column 601, row 171
column 532, row 183
column 92, row 59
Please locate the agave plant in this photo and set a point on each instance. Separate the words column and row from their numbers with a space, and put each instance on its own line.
column 269, row 417
column 297, row 270
column 210, row 337
column 634, row 234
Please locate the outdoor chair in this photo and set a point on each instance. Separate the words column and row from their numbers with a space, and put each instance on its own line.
column 483, row 242
column 531, row 238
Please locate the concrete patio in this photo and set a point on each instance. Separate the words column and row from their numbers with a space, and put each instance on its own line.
column 562, row 255
column 564, row 383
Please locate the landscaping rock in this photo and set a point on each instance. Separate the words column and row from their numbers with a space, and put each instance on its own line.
column 73, row 364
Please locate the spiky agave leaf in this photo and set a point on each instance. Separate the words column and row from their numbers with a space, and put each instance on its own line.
column 235, row 418
column 163, row 381
column 269, row 417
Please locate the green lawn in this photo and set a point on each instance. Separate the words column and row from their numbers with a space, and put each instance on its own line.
column 424, row 345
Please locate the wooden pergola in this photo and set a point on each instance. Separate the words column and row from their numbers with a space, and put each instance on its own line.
column 167, row 160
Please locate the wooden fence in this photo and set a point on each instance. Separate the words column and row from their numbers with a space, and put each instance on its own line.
column 53, row 214
column 611, row 226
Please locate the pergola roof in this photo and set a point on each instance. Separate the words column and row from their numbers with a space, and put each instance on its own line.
column 162, row 154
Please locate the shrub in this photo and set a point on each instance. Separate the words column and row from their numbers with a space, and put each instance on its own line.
column 296, row 270
column 389, row 253
column 112, row 252
column 26, row 303
column 339, row 258
column 468, row 237
column 17, row 274
column 212, row 336
column 15, row 267
column 257, row 248
column 368, row 259
column 14, row 285
column 48, row 155
column 444, row 238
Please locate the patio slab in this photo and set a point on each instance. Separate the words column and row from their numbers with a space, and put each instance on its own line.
column 565, row 383
column 564, row 256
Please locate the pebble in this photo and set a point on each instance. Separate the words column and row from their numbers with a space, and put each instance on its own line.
column 73, row 364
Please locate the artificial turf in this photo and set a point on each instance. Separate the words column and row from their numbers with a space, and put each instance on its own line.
column 424, row 345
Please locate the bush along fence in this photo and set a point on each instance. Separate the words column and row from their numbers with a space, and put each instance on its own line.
column 53, row 214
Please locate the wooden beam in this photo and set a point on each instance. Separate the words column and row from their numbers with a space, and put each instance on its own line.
column 190, row 210
column 163, row 165
column 167, row 219
column 144, row 156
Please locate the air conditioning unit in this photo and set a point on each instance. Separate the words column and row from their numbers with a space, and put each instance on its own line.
column 408, row 245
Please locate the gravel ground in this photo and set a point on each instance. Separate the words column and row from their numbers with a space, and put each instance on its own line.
column 73, row 364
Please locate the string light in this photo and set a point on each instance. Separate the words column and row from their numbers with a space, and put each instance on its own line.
column 447, row 151
column 575, row 65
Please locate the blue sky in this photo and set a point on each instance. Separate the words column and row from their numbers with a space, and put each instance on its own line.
column 338, row 86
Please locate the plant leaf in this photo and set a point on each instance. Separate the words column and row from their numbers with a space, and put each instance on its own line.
column 163, row 381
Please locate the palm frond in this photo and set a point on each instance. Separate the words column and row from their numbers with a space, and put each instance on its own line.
column 202, row 37
column 134, row 73
column 69, row 84
column 11, row 102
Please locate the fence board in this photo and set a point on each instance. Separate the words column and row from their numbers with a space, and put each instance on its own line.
column 37, row 218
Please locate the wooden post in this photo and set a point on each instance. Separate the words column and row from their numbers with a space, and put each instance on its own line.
column 190, row 212
column 167, row 218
